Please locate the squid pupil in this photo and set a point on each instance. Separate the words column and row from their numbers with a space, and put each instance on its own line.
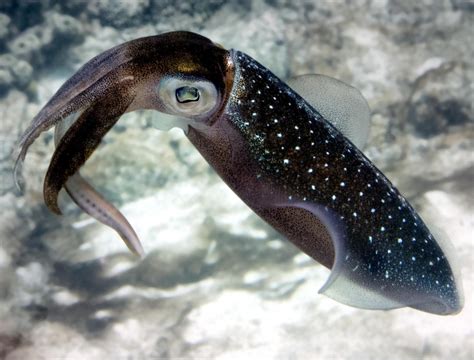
column 187, row 94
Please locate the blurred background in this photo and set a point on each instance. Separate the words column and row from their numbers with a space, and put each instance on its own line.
column 217, row 282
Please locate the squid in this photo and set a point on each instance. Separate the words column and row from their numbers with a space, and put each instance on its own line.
column 291, row 152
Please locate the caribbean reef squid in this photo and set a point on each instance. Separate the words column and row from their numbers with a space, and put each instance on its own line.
column 290, row 151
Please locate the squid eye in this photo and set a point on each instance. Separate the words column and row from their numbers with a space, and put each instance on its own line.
column 187, row 97
column 187, row 94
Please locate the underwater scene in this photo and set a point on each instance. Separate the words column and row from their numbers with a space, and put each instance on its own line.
column 258, row 179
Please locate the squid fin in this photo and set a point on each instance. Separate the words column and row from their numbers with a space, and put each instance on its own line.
column 339, row 103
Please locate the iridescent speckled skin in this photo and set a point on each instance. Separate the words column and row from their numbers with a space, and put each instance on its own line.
column 294, row 169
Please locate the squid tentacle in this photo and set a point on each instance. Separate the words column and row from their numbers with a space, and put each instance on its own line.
column 77, row 93
column 82, row 138
column 94, row 204
column 89, row 200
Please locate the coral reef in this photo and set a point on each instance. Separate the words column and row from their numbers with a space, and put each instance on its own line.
column 216, row 281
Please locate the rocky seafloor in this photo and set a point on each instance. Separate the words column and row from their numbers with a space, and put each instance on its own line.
column 217, row 282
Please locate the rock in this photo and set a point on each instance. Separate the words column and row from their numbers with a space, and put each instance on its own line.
column 7, row 279
column 67, row 343
column 67, row 29
column 257, row 33
column 4, row 27
column 462, row 5
column 32, row 280
column 98, row 40
column 6, row 80
column 431, row 117
column 16, row 103
column 74, row 7
column 119, row 13
column 57, row 33
column 24, row 14
column 23, row 73
column 17, row 72
column 28, row 45
column 8, row 343
column 438, row 102
column 14, row 108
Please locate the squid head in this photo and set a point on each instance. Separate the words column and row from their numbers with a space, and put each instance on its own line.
column 290, row 153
